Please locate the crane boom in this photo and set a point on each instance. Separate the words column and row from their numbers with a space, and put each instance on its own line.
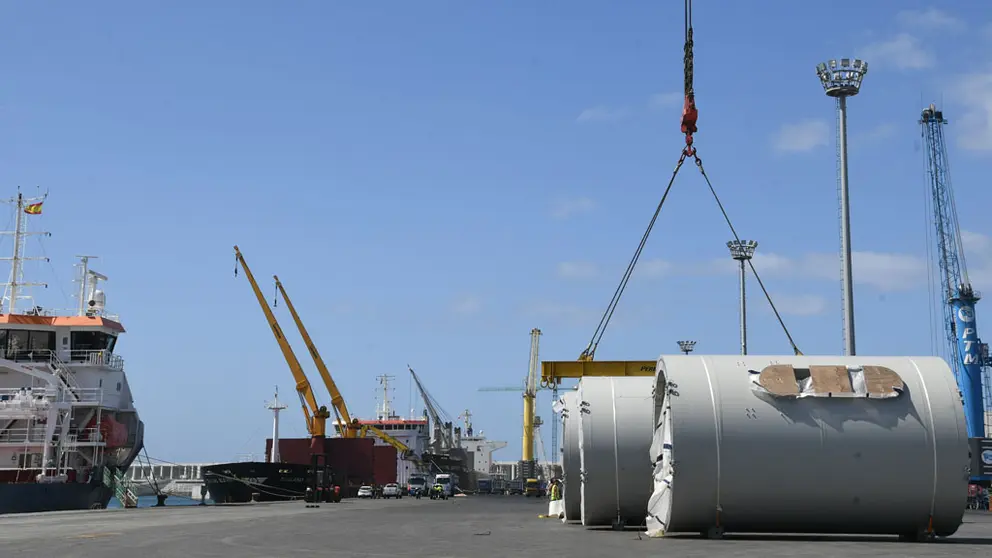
column 337, row 401
column 432, row 410
column 966, row 352
column 405, row 451
column 316, row 415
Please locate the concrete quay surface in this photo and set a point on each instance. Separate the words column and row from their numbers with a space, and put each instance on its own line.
column 469, row 527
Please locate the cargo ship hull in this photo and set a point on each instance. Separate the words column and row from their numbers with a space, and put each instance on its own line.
column 230, row 483
column 39, row 497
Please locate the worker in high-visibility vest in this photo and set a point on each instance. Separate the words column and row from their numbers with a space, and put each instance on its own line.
column 555, row 490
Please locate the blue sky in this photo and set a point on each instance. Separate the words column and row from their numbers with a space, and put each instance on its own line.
column 431, row 180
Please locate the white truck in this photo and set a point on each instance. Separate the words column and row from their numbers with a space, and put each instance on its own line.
column 449, row 481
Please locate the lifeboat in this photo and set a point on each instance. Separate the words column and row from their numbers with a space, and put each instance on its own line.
column 111, row 431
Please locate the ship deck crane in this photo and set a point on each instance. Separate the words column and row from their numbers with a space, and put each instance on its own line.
column 434, row 410
column 552, row 373
column 316, row 415
column 337, row 401
column 967, row 354
column 350, row 428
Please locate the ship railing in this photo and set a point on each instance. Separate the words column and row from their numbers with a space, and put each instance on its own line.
column 68, row 312
column 102, row 358
column 12, row 400
column 77, row 357
column 87, row 397
column 23, row 436
column 89, row 437
column 85, row 437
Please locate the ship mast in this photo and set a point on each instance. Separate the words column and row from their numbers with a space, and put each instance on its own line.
column 385, row 410
column 11, row 288
column 275, row 406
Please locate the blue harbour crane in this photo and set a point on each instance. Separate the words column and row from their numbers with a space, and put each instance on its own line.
column 968, row 356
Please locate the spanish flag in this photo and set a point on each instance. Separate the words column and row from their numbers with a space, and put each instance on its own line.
column 33, row 209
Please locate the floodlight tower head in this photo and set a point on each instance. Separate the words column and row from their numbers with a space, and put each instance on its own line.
column 742, row 250
column 686, row 346
column 842, row 78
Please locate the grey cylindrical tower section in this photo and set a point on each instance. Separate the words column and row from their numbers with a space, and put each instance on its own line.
column 747, row 460
column 571, row 458
column 616, row 430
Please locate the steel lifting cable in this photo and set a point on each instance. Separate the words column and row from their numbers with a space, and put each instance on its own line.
column 597, row 336
column 690, row 116
column 699, row 163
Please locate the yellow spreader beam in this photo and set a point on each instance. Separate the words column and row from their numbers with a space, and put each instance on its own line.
column 552, row 372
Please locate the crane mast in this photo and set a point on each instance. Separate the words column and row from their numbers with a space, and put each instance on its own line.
column 337, row 401
column 967, row 354
column 315, row 415
column 530, row 397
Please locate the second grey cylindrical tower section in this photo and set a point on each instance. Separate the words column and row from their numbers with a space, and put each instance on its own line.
column 616, row 432
column 571, row 458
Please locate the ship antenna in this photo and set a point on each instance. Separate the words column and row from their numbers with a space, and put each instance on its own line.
column 23, row 207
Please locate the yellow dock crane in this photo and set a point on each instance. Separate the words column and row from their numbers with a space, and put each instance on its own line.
column 337, row 401
column 316, row 415
column 349, row 428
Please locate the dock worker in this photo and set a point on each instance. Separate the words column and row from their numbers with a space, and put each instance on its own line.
column 555, row 490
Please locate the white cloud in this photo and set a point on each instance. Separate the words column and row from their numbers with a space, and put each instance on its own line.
column 802, row 136
column 660, row 101
column 577, row 270
column 467, row 305
column 654, row 268
column 563, row 313
column 879, row 133
column 902, row 52
column 883, row 271
column 974, row 92
column 930, row 19
column 602, row 114
column 563, row 209
column 798, row 305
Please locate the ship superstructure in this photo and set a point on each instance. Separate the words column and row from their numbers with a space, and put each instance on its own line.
column 414, row 432
column 68, row 426
column 479, row 448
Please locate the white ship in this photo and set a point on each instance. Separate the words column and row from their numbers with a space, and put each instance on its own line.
column 68, row 426
column 416, row 433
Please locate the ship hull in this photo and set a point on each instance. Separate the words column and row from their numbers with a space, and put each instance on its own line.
column 44, row 497
column 230, row 483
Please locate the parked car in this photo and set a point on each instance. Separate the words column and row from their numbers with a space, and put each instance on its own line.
column 392, row 490
column 365, row 491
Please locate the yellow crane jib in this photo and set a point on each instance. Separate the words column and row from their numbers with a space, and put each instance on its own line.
column 316, row 415
column 363, row 429
column 337, row 400
column 552, row 372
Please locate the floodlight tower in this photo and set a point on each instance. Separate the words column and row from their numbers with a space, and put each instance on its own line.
column 842, row 79
column 742, row 251
column 686, row 346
